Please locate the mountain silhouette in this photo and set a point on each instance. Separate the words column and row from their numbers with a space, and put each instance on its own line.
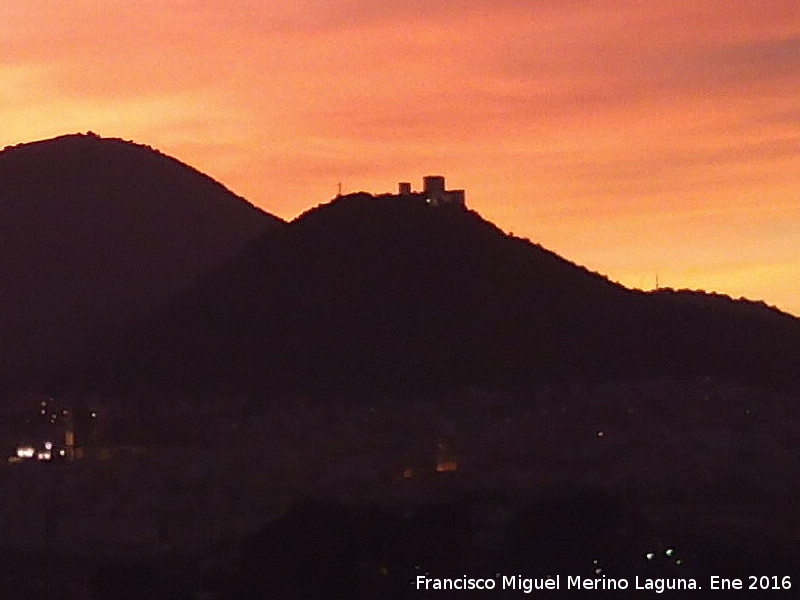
column 96, row 233
column 390, row 294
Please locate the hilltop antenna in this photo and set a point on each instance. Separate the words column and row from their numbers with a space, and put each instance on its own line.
column 340, row 189
column 656, row 280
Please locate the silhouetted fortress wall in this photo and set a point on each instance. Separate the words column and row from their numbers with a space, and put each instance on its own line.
column 434, row 192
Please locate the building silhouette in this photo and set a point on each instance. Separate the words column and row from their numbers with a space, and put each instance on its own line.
column 434, row 192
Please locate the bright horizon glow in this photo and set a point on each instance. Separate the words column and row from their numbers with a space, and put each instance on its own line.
column 637, row 139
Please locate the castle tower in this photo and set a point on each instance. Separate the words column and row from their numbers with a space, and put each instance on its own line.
column 433, row 192
column 433, row 188
column 436, row 194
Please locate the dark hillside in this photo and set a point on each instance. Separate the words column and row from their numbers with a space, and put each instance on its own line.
column 388, row 294
column 96, row 233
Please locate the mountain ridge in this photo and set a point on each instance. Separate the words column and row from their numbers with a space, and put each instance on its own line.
column 96, row 233
column 387, row 294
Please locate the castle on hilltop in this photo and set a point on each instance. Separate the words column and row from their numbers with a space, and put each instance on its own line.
column 433, row 192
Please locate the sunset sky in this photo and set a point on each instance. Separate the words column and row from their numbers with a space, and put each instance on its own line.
column 634, row 137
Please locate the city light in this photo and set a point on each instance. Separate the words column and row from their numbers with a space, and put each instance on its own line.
column 29, row 452
column 26, row 451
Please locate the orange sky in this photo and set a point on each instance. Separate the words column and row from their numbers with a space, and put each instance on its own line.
column 633, row 137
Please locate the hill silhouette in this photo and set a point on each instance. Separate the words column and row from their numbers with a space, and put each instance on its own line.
column 386, row 294
column 95, row 234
